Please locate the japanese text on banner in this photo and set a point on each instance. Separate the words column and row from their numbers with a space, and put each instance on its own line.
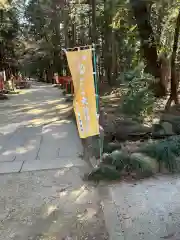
column 80, row 64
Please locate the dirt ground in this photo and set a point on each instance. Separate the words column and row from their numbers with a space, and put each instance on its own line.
column 49, row 205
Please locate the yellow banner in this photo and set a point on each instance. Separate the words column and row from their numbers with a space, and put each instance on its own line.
column 80, row 64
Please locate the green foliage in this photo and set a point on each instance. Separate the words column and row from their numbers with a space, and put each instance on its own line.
column 142, row 165
column 113, row 165
column 110, row 147
column 138, row 99
column 104, row 172
column 53, row 25
column 166, row 151
column 117, row 158
column 9, row 29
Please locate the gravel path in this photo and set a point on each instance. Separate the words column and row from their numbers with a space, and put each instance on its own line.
column 42, row 195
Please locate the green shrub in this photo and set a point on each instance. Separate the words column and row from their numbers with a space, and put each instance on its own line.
column 117, row 158
column 165, row 151
column 138, row 99
column 143, row 165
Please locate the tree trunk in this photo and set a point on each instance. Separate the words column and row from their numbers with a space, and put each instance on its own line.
column 73, row 34
column 55, row 39
column 107, row 43
column 113, row 47
column 66, row 26
column 174, row 80
column 66, row 33
column 93, row 26
column 148, row 45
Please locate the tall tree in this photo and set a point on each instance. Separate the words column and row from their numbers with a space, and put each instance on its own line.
column 174, row 80
column 9, row 29
column 141, row 11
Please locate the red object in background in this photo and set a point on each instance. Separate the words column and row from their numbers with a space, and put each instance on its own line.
column 65, row 81
column 1, row 84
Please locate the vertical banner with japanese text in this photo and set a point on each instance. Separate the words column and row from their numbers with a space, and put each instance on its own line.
column 80, row 64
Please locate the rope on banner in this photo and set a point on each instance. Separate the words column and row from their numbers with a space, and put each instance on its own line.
column 92, row 47
column 77, row 48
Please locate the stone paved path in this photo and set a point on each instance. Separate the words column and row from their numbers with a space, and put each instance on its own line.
column 52, row 203
column 34, row 132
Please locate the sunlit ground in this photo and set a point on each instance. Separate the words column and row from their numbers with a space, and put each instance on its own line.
column 51, row 204
column 27, row 119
